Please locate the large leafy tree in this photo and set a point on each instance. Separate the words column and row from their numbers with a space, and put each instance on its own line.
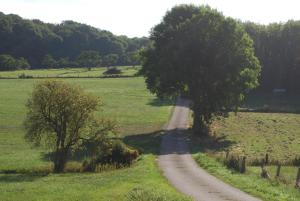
column 200, row 53
column 61, row 115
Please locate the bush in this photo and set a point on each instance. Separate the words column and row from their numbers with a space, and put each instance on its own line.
column 119, row 154
column 296, row 161
column 113, row 156
column 235, row 163
column 139, row 194
column 112, row 71
column 24, row 76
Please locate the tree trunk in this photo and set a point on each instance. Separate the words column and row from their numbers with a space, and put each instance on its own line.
column 198, row 124
column 60, row 160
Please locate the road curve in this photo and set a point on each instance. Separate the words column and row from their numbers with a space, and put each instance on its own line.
column 182, row 171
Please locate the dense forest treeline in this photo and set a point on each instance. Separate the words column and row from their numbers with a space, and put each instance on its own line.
column 35, row 44
column 277, row 47
column 68, row 44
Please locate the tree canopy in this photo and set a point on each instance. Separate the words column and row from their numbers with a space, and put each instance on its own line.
column 7, row 62
column 200, row 53
column 33, row 40
column 61, row 116
column 278, row 48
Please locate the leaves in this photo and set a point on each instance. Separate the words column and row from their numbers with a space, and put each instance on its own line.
column 200, row 53
column 61, row 115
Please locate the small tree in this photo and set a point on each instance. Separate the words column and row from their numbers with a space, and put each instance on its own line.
column 22, row 63
column 110, row 60
column 89, row 59
column 7, row 62
column 49, row 61
column 61, row 116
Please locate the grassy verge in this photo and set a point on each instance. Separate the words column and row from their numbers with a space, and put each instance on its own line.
column 250, row 182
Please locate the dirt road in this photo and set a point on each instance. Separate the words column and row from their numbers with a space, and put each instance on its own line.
column 182, row 171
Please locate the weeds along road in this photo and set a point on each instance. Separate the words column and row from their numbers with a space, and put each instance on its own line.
column 182, row 171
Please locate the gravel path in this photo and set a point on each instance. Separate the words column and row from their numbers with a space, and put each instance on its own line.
column 182, row 171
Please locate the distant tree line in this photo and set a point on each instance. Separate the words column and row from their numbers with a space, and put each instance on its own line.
column 8, row 62
column 69, row 44
column 277, row 46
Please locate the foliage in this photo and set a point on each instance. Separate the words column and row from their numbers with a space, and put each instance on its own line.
column 9, row 63
column 277, row 47
column 119, row 153
column 24, row 76
column 89, row 59
column 113, row 71
column 200, row 53
column 110, row 60
column 109, row 152
column 49, row 61
column 61, row 116
column 33, row 40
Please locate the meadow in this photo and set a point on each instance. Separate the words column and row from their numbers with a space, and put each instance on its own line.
column 67, row 72
column 267, row 124
column 140, row 117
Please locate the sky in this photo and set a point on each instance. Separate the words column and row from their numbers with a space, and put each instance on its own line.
column 135, row 18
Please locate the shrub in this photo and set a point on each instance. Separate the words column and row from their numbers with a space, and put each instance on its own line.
column 112, row 71
column 112, row 156
column 119, row 154
column 24, row 76
column 235, row 163
column 296, row 161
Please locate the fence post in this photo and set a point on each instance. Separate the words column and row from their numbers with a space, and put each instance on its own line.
column 278, row 170
column 243, row 168
column 297, row 185
column 267, row 159
column 264, row 172
column 227, row 154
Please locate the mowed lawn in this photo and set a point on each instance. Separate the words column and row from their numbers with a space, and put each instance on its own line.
column 67, row 72
column 140, row 116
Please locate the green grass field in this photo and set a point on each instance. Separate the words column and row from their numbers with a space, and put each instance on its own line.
column 67, row 72
column 253, row 134
column 140, row 116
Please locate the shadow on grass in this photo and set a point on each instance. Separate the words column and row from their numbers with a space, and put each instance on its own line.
column 209, row 143
column 150, row 143
column 147, row 143
column 264, row 102
column 12, row 178
column 161, row 102
column 73, row 71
